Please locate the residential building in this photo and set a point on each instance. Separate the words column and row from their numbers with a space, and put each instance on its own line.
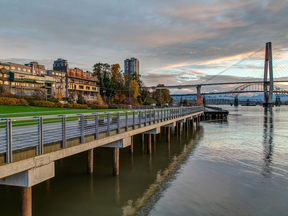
column 131, row 65
column 59, row 85
column 29, row 79
column 77, row 81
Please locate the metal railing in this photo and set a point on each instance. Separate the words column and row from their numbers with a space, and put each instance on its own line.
column 25, row 132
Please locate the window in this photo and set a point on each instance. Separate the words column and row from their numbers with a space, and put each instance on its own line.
column 1, row 66
column 6, row 67
column 6, row 83
column 1, row 82
column 28, row 70
column 24, row 69
column 0, row 75
column 19, row 69
column 12, row 68
column 12, row 83
column 32, row 85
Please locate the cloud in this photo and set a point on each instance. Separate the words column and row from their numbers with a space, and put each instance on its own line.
column 183, row 40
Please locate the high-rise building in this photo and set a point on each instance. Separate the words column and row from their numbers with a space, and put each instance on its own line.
column 131, row 66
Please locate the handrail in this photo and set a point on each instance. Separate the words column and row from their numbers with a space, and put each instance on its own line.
column 37, row 131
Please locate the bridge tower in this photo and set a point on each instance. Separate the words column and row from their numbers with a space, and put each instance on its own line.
column 268, row 85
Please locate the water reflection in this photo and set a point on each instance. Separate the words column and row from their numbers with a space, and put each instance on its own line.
column 268, row 145
column 163, row 178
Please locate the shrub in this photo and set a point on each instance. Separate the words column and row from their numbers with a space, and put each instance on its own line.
column 68, row 105
column 59, row 105
column 13, row 101
column 8, row 95
column 95, row 106
column 79, row 106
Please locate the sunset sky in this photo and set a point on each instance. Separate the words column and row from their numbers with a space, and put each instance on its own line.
column 176, row 42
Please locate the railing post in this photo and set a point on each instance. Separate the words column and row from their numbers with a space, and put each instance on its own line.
column 145, row 118
column 154, row 116
column 150, row 118
column 126, row 121
column 139, row 119
column 64, row 132
column 133, row 120
column 9, row 141
column 82, row 128
column 96, row 126
column 108, row 124
column 118, row 122
column 161, row 115
column 158, row 116
column 40, row 135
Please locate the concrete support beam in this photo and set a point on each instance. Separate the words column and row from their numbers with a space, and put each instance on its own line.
column 123, row 143
column 116, row 161
column 168, row 134
column 170, row 125
column 90, row 161
column 149, row 148
column 154, row 131
column 26, row 201
column 30, row 177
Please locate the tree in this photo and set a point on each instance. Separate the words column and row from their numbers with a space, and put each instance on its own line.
column 135, row 89
column 163, row 95
column 81, row 99
column 2, row 89
column 185, row 102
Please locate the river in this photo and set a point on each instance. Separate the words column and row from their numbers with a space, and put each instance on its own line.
column 233, row 167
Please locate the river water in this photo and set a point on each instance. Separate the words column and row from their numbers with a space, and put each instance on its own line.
column 233, row 167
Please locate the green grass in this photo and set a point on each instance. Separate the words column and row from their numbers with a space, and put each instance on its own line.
column 25, row 111
column 30, row 111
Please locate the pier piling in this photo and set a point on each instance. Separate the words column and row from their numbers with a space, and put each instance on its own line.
column 149, row 144
column 90, row 161
column 116, row 162
column 26, row 201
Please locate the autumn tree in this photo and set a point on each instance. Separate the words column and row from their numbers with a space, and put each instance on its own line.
column 163, row 95
column 135, row 89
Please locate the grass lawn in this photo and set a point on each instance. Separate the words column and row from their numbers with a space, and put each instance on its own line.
column 24, row 111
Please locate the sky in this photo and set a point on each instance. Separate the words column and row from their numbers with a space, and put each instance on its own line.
column 176, row 42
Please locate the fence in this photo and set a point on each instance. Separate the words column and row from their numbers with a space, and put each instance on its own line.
column 25, row 132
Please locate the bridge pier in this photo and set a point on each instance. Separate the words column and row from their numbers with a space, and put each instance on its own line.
column 26, row 201
column 115, row 161
column 90, row 161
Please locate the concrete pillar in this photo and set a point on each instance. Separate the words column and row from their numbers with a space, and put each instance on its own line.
column 168, row 134
column 26, row 201
column 116, row 161
column 131, row 146
column 90, row 161
column 149, row 144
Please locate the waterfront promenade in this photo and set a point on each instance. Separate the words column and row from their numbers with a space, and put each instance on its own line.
column 30, row 146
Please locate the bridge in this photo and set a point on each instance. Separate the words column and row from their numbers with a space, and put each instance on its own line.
column 29, row 146
column 248, row 75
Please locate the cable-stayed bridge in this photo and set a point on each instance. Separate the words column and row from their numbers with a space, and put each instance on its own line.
column 251, row 74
